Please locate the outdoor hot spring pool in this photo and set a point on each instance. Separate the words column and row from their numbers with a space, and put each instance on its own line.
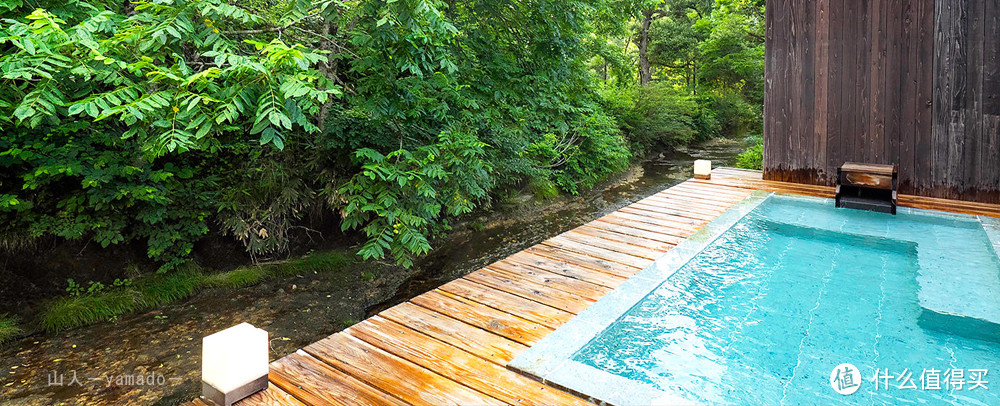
column 761, row 305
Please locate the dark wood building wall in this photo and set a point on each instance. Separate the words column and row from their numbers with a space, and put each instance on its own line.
column 910, row 82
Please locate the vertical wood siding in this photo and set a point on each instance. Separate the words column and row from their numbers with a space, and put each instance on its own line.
column 910, row 82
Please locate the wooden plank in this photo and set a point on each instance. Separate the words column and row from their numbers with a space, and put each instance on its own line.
column 702, row 201
column 725, row 171
column 658, row 247
column 667, row 226
column 989, row 169
column 835, row 100
column 821, row 88
column 669, row 213
column 967, row 173
column 688, row 198
column 893, row 75
column 695, row 193
column 272, row 396
column 550, row 279
column 487, row 318
column 664, row 223
column 807, row 86
column 598, row 252
column 529, row 290
column 784, row 187
column 714, row 191
column 489, row 346
column 878, row 169
column 698, row 205
column 908, row 95
column 948, row 142
column 583, row 260
column 876, row 108
column 566, row 268
column 709, row 202
column 775, row 130
column 629, row 230
column 458, row 365
column 925, row 95
column 850, row 89
column 618, row 242
column 605, row 243
column 401, row 378
column 316, row 383
column 863, row 81
column 673, row 210
column 499, row 299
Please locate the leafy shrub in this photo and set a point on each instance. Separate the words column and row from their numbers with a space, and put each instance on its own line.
column 600, row 151
column 397, row 197
column 662, row 117
column 99, row 107
column 733, row 115
column 753, row 157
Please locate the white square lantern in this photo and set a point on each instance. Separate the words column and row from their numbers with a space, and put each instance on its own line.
column 702, row 169
column 234, row 364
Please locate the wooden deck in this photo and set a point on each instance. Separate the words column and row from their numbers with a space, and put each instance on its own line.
column 451, row 345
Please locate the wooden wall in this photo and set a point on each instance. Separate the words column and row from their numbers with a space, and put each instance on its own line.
column 911, row 82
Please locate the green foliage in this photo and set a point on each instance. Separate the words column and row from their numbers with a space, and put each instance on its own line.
column 76, row 290
column 161, row 122
column 661, row 116
column 9, row 328
column 753, row 157
column 712, row 51
column 102, row 112
column 599, row 151
column 397, row 197
column 94, row 64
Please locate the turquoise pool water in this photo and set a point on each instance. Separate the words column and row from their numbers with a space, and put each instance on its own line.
column 765, row 311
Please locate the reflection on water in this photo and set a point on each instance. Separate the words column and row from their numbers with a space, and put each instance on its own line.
column 301, row 310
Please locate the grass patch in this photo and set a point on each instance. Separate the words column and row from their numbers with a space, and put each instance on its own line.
column 75, row 311
column 317, row 262
column 238, row 278
column 161, row 289
column 156, row 290
column 9, row 329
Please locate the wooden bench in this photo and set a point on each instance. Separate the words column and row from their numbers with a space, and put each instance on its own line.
column 867, row 187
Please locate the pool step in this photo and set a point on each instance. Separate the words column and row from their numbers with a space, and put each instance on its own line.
column 964, row 301
column 962, row 326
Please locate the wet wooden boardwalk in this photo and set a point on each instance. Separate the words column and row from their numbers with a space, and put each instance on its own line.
column 450, row 346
